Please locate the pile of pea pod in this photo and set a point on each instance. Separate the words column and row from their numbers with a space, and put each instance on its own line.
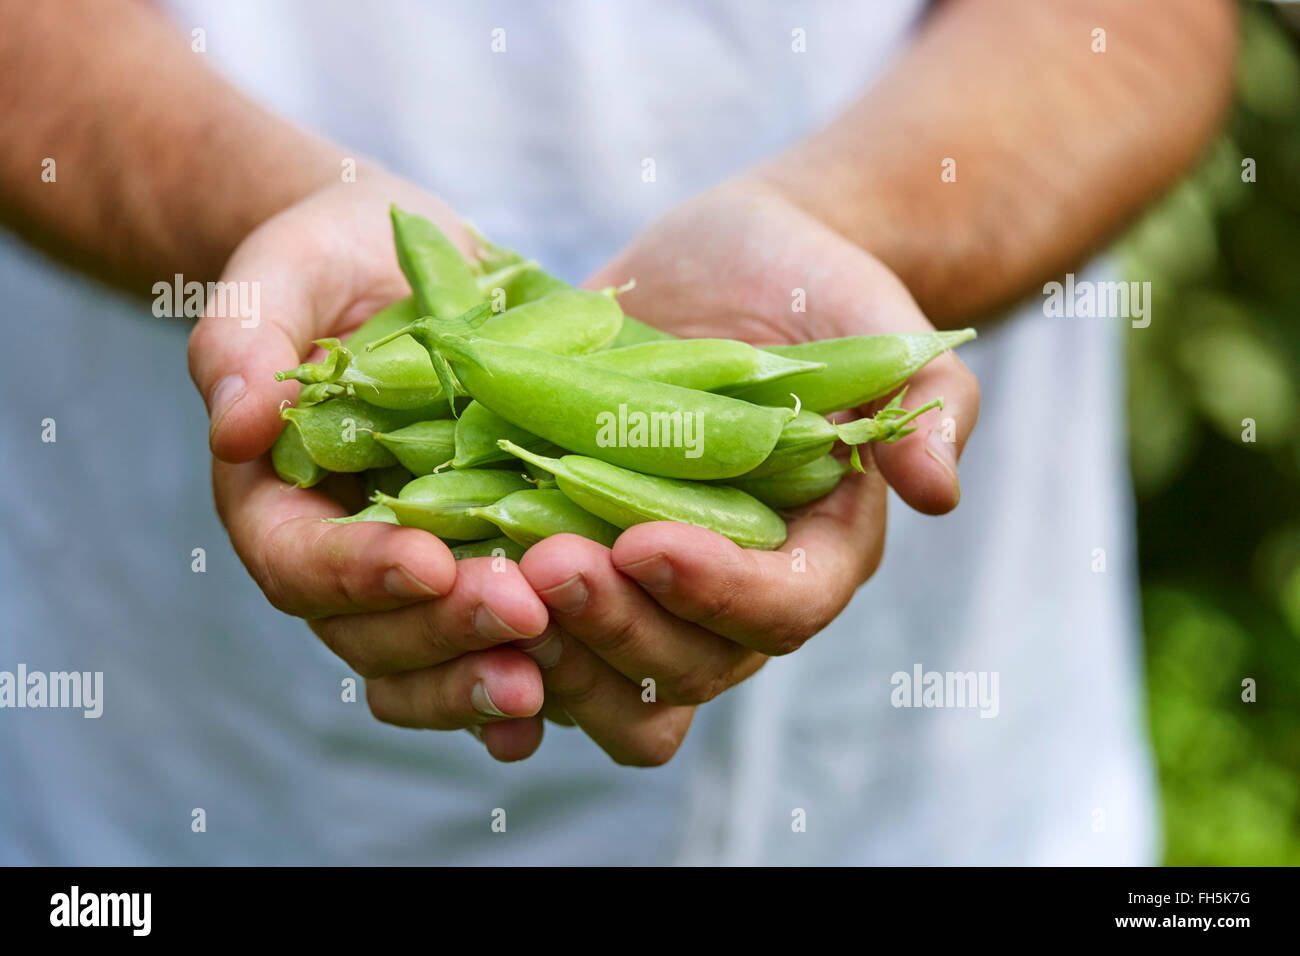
column 497, row 406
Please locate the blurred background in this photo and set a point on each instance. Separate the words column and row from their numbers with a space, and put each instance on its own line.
column 1219, row 516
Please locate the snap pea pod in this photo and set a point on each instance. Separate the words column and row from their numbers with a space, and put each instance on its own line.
column 338, row 434
column 859, row 368
column 810, row 436
column 624, row 498
column 441, row 279
column 292, row 463
column 438, row 503
column 422, row 448
column 645, row 426
column 796, row 487
column 394, row 371
column 498, row 547
column 381, row 513
column 705, row 364
column 397, row 376
column 529, row 516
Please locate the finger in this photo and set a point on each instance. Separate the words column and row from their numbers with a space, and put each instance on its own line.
column 491, row 604
column 469, row 690
column 511, row 740
column 591, row 601
column 609, row 708
column 235, row 351
column 314, row 568
column 771, row 601
column 922, row 467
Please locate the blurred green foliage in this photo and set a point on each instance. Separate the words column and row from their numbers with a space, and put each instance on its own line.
column 1218, row 513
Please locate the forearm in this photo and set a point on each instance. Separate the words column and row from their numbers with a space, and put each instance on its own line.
column 1055, row 146
column 160, row 166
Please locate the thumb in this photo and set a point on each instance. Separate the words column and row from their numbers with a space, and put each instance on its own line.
column 922, row 468
column 257, row 323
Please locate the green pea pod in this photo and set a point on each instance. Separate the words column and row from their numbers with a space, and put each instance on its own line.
column 859, row 368
column 424, row 447
column 441, row 279
column 529, row 516
column 338, row 435
column 292, row 463
column 810, row 436
column 369, row 513
column 564, row 322
column 705, row 364
column 498, row 547
column 438, row 503
column 645, row 426
column 624, row 498
column 399, row 375
column 796, row 487
column 395, row 371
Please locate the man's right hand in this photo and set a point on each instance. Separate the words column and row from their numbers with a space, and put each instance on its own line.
column 431, row 637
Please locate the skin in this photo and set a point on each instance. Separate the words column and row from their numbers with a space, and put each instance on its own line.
column 171, row 170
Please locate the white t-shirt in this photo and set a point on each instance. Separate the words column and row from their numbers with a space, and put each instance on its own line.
column 214, row 701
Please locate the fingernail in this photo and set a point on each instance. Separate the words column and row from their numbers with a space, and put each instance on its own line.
column 482, row 701
column 492, row 627
column 567, row 597
column 228, row 391
column 945, row 453
column 654, row 573
column 545, row 648
column 401, row 583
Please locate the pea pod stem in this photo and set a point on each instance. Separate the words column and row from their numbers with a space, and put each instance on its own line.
column 887, row 426
column 325, row 372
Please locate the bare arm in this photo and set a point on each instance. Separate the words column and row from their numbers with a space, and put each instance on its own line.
column 161, row 165
column 1055, row 145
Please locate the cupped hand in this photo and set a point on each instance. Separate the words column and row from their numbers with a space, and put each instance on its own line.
column 673, row 615
column 433, row 639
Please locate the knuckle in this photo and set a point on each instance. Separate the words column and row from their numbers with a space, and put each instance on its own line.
column 653, row 747
column 725, row 595
column 333, row 633
column 380, row 705
column 692, row 687
column 789, row 640
column 265, row 567
column 619, row 635
column 578, row 686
